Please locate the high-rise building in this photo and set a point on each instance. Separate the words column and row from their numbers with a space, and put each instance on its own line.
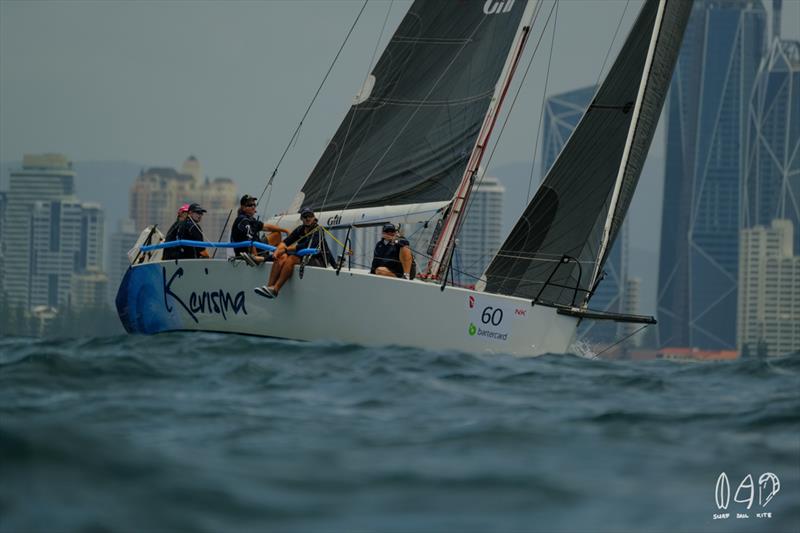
column 66, row 238
column 158, row 192
column 52, row 234
column 89, row 289
column 711, row 87
column 219, row 197
column 42, row 179
column 156, row 196
column 122, row 240
column 771, row 177
column 769, row 291
column 562, row 112
column 482, row 233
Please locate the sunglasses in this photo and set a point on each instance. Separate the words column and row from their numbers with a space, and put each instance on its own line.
column 307, row 216
column 250, row 205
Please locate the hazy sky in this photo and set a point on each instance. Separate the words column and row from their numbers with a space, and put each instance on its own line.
column 154, row 81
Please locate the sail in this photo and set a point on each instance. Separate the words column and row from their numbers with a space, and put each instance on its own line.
column 409, row 136
column 582, row 202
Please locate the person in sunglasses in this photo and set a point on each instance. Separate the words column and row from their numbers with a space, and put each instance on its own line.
column 307, row 235
column 393, row 255
column 246, row 228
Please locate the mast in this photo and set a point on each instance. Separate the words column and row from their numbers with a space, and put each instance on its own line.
column 443, row 250
column 612, row 209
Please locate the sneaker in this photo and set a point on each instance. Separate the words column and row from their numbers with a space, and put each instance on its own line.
column 264, row 291
column 247, row 259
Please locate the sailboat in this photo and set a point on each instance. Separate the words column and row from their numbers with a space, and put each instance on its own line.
column 409, row 151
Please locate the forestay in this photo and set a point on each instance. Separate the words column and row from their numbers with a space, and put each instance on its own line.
column 409, row 136
column 579, row 208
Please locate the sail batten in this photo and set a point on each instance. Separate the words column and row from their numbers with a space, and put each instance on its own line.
column 579, row 208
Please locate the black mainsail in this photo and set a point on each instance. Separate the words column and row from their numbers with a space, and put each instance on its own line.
column 409, row 139
column 579, row 208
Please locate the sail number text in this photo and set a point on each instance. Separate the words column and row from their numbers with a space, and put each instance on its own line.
column 492, row 315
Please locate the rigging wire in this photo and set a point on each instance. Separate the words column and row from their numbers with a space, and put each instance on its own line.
column 620, row 341
column 541, row 112
column 314, row 99
column 353, row 112
column 608, row 52
column 516, row 96
column 613, row 40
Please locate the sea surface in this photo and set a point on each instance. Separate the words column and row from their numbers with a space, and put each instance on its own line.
column 205, row 432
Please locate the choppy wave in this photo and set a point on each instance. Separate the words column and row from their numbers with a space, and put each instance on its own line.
column 214, row 432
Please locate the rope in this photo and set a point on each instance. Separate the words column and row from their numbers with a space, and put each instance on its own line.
column 314, row 99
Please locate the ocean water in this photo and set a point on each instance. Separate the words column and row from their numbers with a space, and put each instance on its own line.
column 205, row 432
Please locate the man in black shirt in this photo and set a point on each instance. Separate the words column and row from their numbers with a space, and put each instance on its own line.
column 393, row 256
column 190, row 230
column 308, row 235
column 172, row 232
column 246, row 228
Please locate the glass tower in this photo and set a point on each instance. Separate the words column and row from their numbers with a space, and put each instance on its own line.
column 723, row 46
column 771, row 178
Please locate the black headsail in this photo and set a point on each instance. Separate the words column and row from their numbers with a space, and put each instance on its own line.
column 410, row 139
column 582, row 202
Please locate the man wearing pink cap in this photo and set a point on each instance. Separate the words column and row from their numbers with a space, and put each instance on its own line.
column 172, row 233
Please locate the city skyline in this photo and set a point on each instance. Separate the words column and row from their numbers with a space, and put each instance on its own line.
column 208, row 79
column 723, row 338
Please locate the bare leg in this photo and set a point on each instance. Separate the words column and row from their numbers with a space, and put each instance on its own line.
column 277, row 265
column 405, row 259
column 383, row 271
column 286, row 272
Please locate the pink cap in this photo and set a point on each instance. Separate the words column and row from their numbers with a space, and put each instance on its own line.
column 184, row 208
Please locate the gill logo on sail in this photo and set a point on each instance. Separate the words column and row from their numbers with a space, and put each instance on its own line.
column 495, row 7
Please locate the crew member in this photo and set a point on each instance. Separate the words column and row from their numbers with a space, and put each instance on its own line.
column 246, row 228
column 393, row 255
column 190, row 230
column 307, row 235
column 172, row 232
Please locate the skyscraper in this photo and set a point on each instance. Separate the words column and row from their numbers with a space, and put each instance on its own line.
column 562, row 112
column 711, row 87
column 158, row 192
column 42, row 178
column 48, row 234
column 769, row 291
column 482, row 233
column 66, row 238
column 771, row 177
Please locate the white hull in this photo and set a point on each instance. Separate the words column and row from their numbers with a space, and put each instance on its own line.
column 216, row 295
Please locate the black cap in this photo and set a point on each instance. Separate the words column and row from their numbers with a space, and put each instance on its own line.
column 389, row 228
column 195, row 208
column 246, row 199
column 306, row 211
